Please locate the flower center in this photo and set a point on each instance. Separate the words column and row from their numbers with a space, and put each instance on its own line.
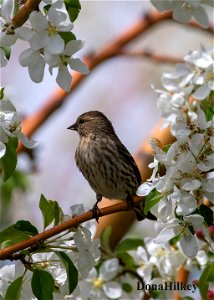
column 97, row 282
column 51, row 29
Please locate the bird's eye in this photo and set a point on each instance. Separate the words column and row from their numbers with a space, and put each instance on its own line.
column 81, row 121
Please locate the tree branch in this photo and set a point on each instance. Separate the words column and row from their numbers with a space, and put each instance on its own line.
column 37, row 239
column 23, row 14
column 33, row 122
column 152, row 56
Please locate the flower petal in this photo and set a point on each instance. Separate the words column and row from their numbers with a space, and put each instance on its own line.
column 2, row 149
column 112, row 290
column 64, row 78
column 26, row 142
column 79, row 66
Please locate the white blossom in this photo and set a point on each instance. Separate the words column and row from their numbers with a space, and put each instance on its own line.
column 10, row 126
column 174, row 227
column 88, row 250
column 101, row 284
column 184, row 10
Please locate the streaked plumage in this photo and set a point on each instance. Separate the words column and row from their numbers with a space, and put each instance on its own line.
column 104, row 161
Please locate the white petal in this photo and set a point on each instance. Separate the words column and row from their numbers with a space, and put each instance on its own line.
column 55, row 44
column 3, row 60
column 36, row 70
column 73, row 46
column 190, row 184
column 52, row 59
column 211, row 85
column 2, row 149
column 145, row 188
column 201, row 16
column 26, row 57
column 7, row 9
column 201, row 93
column 26, row 142
column 56, row 16
column 7, row 106
column 38, row 21
column 189, row 245
column 64, row 78
column 109, row 269
column 165, row 235
column 24, row 33
column 182, row 14
column 7, row 39
column 195, row 219
column 112, row 290
column 39, row 40
column 79, row 66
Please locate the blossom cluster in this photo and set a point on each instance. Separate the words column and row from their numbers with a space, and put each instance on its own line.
column 152, row 264
column 10, row 126
column 186, row 105
column 184, row 10
column 51, row 42
column 79, row 248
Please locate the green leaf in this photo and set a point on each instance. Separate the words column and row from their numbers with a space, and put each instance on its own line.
column 46, row 8
column 127, row 287
column 58, row 213
column 27, row 227
column 72, row 273
column 15, row 233
column 18, row 180
column 126, row 260
column 187, row 298
column 206, row 277
column 47, row 209
column 42, row 285
column 2, row 93
column 151, row 199
column 67, row 36
column 129, row 244
column 7, row 51
column 9, row 160
column 51, row 211
column 73, row 8
column 105, row 238
column 14, row 289
column 207, row 213
column 166, row 148
column 174, row 240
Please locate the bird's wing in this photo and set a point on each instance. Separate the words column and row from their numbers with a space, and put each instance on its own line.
column 129, row 160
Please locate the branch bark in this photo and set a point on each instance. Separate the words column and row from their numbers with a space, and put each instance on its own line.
column 23, row 14
column 37, row 239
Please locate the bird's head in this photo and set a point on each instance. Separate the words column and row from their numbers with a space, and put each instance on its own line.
column 92, row 123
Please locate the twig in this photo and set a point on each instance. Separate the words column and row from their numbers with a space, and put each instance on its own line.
column 33, row 122
column 37, row 239
column 152, row 56
column 23, row 14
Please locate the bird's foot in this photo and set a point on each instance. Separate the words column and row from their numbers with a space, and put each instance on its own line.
column 95, row 212
column 130, row 202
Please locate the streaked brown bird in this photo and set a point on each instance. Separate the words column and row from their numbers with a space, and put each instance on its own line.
column 104, row 161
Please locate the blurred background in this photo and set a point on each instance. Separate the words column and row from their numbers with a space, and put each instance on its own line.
column 119, row 87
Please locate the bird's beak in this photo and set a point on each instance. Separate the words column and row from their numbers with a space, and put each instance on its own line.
column 73, row 127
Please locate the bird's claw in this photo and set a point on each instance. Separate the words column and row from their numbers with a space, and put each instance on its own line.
column 95, row 209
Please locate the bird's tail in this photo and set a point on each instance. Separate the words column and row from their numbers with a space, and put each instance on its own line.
column 139, row 209
column 140, row 214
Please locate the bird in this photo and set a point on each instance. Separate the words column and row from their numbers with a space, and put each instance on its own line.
column 105, row 162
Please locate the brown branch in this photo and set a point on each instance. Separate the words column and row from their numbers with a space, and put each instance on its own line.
column 23, row 14
column 181, row 277
column 37, row 239
column 33, row 122
column 152, row 56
